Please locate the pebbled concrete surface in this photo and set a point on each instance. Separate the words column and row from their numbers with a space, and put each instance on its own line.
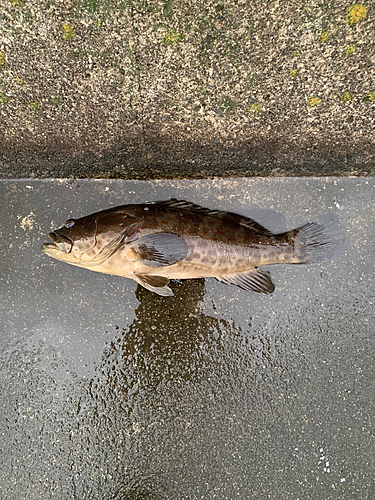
column 155, row 89
column 108, row 391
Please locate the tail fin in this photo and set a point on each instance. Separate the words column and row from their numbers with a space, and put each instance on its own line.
column 320, row 240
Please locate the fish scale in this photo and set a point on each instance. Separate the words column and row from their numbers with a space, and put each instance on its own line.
column 154, row 242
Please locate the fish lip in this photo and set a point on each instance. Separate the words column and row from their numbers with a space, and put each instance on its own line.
column 48, row 246
column 59, row 242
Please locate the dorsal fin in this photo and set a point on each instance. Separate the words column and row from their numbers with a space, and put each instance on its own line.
column 223, row 215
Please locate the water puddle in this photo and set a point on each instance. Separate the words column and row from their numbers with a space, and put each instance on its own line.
column 110, row 391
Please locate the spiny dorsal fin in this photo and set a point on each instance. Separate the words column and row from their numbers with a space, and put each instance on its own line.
column 225, row 216
column 257, row 281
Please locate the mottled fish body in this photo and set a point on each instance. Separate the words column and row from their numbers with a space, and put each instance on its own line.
column 158, row 241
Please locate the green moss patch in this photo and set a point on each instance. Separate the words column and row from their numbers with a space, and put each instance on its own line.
column 312, row 102
column 172, row 37
column 350, row 50
column 347, row 96
column 254, row 108
column 68, row 30
column 370, row 96
column 32, row 105
column 355, row 14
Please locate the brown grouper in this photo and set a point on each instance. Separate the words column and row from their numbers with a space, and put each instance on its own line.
column 154, row 242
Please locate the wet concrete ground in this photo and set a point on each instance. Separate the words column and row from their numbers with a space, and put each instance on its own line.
column 157, row 89
column 111, row 392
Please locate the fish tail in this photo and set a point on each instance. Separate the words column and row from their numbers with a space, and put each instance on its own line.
column 319, row 240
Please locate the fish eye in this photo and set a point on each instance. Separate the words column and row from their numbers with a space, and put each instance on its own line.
column 69, row 224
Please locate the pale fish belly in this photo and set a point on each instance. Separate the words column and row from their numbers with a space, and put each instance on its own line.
column 205, row 258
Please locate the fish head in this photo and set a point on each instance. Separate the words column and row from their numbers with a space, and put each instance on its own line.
column 81, row 241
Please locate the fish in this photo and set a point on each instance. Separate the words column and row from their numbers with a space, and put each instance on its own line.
column 155, row 242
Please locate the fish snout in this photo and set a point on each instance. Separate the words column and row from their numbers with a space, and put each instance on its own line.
column 60, row 242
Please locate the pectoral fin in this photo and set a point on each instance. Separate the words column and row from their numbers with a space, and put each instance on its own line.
column 257, row 280
column 160, row 249
column 156, row 284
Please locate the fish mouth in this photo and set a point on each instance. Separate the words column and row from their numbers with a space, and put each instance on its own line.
column 59, row 243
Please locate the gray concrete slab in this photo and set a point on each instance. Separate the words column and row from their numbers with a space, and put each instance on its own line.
column 108, row 391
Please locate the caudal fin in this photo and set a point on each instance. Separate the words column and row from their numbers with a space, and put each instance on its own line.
column 320, row 240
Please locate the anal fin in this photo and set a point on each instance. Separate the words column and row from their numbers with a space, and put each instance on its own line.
column 156, row 284
column 257, row 281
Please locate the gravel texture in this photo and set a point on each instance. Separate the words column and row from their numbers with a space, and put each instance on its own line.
column 153, row 89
